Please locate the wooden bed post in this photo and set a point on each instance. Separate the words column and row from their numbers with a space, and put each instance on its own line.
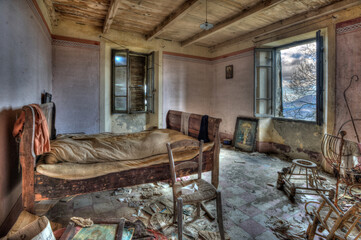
column 27, row 159
column 217, row 143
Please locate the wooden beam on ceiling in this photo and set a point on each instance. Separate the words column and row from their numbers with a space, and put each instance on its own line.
column 263, row 5
column 51, row 12
column 171, row 18
column 292, row 21
column 112, row 11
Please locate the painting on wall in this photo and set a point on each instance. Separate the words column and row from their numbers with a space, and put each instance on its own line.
column 245, row 134
column 229, row 71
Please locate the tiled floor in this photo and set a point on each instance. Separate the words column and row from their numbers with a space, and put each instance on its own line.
column 249, row 198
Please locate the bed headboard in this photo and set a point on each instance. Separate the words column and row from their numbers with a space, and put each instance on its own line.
column 174, row 122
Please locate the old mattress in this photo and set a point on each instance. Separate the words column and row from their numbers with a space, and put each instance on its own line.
column 76, row 157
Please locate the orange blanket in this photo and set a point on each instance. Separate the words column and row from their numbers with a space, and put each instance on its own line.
column 41, row 135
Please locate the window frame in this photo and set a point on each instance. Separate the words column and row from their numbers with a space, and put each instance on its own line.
column 150, row 81
column 319, row 79
column 113, row 96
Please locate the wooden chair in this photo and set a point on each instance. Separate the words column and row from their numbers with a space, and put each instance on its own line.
column 206, row 191
column 339, row 225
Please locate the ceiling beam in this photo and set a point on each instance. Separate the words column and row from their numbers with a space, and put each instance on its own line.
column 263, row 5
column 291, row 21
column 51, row 12
column 171, row 18
column 112, row 11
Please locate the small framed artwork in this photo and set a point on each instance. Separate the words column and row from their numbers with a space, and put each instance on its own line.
column 245, row 134
column 229, row 71
column 103, row 229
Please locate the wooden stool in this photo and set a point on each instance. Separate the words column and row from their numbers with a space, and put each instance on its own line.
column 303, row 176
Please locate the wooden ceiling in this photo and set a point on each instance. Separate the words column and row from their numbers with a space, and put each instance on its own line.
column 180, row 20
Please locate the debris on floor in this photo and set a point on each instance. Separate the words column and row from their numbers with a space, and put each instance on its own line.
column 207, row 235
column 239, row 161
column 285, row 230
column 247, row 193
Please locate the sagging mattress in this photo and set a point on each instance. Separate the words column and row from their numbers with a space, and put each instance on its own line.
column 76, row 157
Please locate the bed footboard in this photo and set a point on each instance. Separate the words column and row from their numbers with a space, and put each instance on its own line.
column 174, row 122
column 27, row 159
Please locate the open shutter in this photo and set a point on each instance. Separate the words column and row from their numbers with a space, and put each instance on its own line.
column 264, row 82
column 150, row 84
column 120, row 76
column 137, row 82
column 319, row 77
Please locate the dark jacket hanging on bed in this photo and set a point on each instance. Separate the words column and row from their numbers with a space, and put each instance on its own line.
column 203, row 130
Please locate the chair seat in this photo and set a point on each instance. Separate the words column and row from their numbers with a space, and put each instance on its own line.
column 206, row 191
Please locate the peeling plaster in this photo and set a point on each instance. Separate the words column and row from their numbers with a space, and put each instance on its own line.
column 128, row 123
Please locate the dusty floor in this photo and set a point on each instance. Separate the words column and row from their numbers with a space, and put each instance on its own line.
column 249, row 198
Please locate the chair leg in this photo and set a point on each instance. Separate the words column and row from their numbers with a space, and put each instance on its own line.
column 180, row 217
column 174, row 210
column 311, row 231
column 199, row 209
column 220, row 214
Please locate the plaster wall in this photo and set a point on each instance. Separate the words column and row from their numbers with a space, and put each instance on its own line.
column 76, row 87
column 25, row 72
column 232, row 97
column 134, row 42
column 348, row 64
column 187, row 85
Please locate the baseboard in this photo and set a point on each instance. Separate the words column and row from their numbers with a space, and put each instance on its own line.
column 11, row 218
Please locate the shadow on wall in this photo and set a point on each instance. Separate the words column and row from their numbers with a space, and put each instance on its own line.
column 9, row 159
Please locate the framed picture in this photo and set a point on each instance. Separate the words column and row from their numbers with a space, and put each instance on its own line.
column 103, row 229
column 245, row 134
column 229, row 71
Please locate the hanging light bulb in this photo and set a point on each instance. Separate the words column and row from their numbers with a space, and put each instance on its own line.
column 206, row 25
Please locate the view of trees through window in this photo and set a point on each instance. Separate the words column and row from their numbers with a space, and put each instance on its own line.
column 299, row 81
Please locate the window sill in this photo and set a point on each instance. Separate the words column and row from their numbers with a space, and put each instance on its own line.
column 287, row 119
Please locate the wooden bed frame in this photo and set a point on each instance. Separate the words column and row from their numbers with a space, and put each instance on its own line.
column 37, row 187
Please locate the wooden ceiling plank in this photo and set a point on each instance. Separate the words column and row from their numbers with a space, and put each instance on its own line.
column 113, row 7
column 219, row 26
column 171, row 18
column 291, row 21
column 51, row 11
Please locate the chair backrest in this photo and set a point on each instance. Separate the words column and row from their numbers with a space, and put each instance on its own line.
column 188, row 164
column 333, row 220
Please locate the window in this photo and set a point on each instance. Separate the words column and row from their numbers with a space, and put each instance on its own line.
column 288, row 81
column 132, row 82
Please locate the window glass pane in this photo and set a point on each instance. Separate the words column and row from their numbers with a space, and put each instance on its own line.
column 298, row 70
column 120, row 103
column 120, row 59
column 120, row 77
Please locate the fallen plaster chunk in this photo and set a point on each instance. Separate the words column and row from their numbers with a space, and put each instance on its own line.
column 239, row 161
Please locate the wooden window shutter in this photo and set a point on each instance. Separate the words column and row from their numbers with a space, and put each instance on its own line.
column 150, row 83
column 137, row 82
